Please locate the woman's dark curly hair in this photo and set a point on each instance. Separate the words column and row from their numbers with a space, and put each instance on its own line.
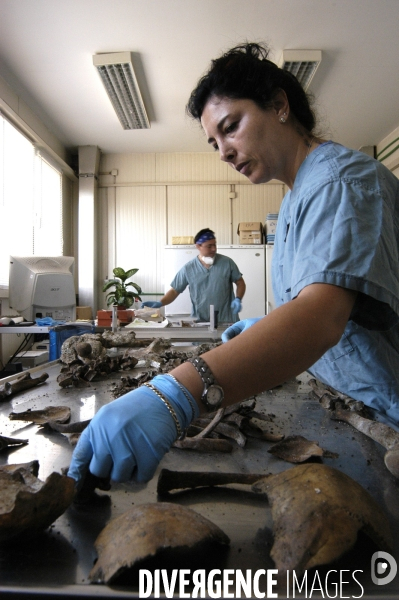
column 246, row 72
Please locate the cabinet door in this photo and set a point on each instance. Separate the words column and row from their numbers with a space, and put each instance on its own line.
column 254, row 202
column 194, row 207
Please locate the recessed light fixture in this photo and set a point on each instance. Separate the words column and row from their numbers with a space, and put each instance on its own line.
column 302, row 64
column 117, row 74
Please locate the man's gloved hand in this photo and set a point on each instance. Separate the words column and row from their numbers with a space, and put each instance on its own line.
column 151, row 304
column 238, row 328
column 236, row 305
column 128, row 437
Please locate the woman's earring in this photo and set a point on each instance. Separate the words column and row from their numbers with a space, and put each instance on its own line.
column 282, row 120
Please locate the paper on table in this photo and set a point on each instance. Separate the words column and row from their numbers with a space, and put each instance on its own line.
column 142, row 323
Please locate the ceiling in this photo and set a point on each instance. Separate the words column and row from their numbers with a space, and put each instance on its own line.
column 46, row 50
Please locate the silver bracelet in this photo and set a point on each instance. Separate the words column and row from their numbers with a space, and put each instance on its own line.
column 168, row 406
column 185, row 393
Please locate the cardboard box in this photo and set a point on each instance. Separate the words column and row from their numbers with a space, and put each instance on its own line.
column 250, row 232
column 84, row 313
column 104, row 317
column 182, row 239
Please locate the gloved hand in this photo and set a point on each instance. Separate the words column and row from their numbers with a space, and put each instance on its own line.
column 236, row 305
column 128, row 437
column 238, row 328
column 151, row 304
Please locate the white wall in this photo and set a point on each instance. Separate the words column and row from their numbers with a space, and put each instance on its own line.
column 154, row 197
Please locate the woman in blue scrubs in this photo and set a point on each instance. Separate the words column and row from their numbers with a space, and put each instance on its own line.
column 335, row 273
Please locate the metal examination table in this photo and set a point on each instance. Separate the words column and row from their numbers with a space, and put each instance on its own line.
column 57, row 562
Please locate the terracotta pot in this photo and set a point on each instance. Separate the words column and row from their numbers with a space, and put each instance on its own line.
column 104, row 317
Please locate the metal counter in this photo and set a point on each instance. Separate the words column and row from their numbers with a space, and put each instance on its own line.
column 179, row 334
column 58, row 562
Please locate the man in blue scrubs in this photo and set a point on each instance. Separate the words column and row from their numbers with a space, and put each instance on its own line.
column 210, row 277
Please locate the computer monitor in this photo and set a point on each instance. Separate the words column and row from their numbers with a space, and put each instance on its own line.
column 41, row 286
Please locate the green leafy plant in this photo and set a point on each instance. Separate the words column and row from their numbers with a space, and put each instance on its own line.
column 121, row 295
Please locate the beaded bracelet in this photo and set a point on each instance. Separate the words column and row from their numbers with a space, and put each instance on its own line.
column 168, row 406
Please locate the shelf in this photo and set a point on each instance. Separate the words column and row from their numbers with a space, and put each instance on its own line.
column 22, row 329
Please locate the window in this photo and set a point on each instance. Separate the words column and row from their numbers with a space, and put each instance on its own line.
column 30, row 201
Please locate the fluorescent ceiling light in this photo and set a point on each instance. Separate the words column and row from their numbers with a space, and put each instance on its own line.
column 302, row 64
column 117, row 74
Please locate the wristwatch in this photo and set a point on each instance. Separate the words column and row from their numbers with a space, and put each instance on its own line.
column 213, row 394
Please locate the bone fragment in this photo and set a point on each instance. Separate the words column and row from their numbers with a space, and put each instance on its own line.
column 242, row 407
column 379, row 432
column 229, row 431
column 122, row 339
column 328, row 397
column 252, row 430
column 203, row 444
column 65, row 379
column 28, row 505
column 60, row 414
column 297, row 449
column 84, row 350
column 317, row 513
column 211, row 426
column 157, row 345
column 73, row 438
column 86, row 492
column 76, row 427
column 145, row 530
column 237, row 419
column 30, row 467
column 6, row 442
column 253, row 414
column 169, row 481
column 193, row 430
column 24, row 383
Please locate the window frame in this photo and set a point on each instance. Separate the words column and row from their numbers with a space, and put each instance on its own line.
column 41, row 170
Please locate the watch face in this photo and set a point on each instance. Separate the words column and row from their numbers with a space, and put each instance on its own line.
column 214, row 395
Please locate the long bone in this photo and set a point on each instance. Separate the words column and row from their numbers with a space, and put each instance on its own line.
column 379, row 432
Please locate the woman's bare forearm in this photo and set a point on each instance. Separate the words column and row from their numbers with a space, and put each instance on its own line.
column 280, row 346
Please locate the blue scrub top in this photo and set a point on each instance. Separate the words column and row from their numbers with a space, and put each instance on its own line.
column 340, row 225
column 209, row 286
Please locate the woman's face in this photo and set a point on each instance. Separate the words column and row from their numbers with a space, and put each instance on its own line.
column 246, row 137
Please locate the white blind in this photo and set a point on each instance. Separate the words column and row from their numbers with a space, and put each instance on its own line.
column 30, row 201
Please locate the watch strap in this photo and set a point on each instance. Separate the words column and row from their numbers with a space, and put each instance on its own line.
column 204, row 371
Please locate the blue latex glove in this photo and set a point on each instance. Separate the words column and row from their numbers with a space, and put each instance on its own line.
column 151, row 304
column 48, row 321
column 128, row 437
column 236, row 305
column 238, row 328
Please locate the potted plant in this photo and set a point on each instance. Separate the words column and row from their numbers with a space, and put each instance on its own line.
column 121, row 295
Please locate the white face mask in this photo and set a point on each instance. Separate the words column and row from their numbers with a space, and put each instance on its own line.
column 208, row 260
